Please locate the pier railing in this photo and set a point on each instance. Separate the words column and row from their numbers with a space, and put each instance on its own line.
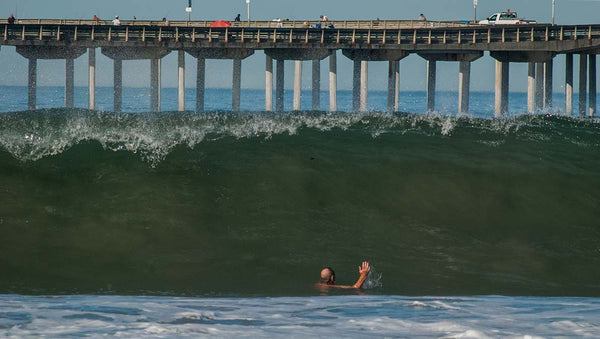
column 360, row 24
column 463, row 37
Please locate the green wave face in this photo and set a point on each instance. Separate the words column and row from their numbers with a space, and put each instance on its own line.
column 217, row 203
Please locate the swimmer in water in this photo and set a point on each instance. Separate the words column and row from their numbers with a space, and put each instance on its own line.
column 328, row 277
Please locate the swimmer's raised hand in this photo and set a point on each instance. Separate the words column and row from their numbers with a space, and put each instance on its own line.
column 364, row 269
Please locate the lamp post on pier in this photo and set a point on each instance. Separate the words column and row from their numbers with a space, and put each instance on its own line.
column 248, row 7
column 188, row 9
column 553, row 3
column 474, row 11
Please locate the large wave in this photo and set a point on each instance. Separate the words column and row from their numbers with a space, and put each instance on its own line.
column 258, row 202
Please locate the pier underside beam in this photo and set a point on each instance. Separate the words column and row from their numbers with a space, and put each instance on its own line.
column 501, row 102
column 451, row 56
column 333, row 81
column 50, row 52
column 569, row 83
column 297, row 53
column 522, row 56
column 135, row 53
column 374, row 55
column 220, row 53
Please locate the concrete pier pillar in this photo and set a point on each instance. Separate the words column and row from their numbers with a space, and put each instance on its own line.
column 356, row 85
column 501, row 104
column 531, row 87
column 582, row 82
column 391, row 85
column 364, row 85
column 431, row 73
column 32, row 84
column 237, row 85
column 464, row 86
column 69, row 82
column 316, row 85
column 200, row 83
column 279, row 86
column 181, row 78
column 118, row 84
column 397, row 86
column 268, row 83
column 569, row 83
column 592, row 86
column 332, row 82
column 297, row 84
column 92, row 78
column 539, row 85
column 154, row 84
column 159, row 95
column 548, row 69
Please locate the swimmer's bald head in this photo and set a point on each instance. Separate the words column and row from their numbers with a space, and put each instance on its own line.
column 327, row 276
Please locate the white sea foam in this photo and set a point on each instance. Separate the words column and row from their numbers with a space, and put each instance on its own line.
column 339, row 316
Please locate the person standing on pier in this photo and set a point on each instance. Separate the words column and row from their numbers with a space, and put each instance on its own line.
column 116, row 21
column 166, row 22
column 237, row 18
column 323, row 17
column 422, row 17
column 11, row 20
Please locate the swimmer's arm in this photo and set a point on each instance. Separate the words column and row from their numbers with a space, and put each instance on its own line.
column 363, row 270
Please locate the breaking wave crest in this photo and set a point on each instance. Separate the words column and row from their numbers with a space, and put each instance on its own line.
column 32, row 135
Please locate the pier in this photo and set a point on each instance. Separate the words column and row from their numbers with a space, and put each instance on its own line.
column 360, row 41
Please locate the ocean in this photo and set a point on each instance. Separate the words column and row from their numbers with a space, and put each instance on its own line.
column 215, row 223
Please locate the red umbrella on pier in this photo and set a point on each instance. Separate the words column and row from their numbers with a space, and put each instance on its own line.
column 220, row 23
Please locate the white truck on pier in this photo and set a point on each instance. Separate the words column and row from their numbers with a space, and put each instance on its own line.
column 506, row 18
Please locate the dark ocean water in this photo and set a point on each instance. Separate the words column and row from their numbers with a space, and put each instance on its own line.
column 174, row 224
column 255, row 203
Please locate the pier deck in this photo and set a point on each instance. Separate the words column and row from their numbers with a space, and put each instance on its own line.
column 361, row 41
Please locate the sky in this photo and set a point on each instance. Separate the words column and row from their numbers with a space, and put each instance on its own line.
column 219, row 74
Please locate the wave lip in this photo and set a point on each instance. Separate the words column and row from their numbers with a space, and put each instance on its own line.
column 30, row 136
